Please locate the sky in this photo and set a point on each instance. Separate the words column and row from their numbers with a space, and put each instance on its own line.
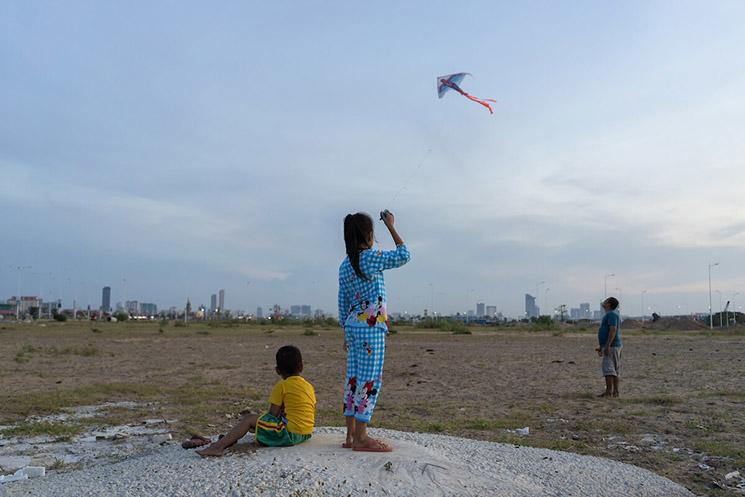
column 170, row 149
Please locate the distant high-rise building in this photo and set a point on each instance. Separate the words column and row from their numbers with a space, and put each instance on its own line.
column 213, row 304
column 259, row 313
column 132, row 307
column 597, row 315
column 491, row 311
column 531, row 310
column 148, row 309
column 305, row 311
column 480, row 309
column 584, row 311
column 222, row 301
column 295, row 310
column 106, row 299
column 575, row 313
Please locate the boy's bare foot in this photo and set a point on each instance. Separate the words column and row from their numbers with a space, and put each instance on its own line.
column 348, row 443
column 210, row 452
column 615, row 394
column 371, row 445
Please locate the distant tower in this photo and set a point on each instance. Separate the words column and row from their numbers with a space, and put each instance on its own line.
column 213, row 304
column 106, row 299
column 221, row 307
column 259, row 313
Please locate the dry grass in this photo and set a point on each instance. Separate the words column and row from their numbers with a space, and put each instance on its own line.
column 681, row 388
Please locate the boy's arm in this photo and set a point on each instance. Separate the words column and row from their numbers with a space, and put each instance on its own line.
column 611, row 337
column 275, row 410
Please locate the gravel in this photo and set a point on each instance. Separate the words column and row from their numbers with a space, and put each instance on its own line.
column 421, row 465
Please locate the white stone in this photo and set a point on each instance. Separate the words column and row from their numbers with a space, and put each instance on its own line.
column 34, row 471
column 163, row 438
column 13, row 463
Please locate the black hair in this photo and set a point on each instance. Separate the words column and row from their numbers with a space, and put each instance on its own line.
column 612, row 302
column 357, row 230
column 289, row 360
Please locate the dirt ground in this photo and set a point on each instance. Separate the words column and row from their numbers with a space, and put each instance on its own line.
column 680, row 413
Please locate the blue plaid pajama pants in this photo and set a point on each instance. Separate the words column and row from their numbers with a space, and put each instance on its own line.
column 365, row 354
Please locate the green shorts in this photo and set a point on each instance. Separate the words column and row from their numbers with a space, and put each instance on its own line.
column 272, row 431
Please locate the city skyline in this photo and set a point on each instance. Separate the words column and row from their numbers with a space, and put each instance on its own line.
column 585, row 310
column 161, row 155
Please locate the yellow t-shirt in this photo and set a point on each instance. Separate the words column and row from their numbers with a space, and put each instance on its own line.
column 299, row 400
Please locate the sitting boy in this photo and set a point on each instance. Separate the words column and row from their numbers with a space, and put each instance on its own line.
column 292, row 406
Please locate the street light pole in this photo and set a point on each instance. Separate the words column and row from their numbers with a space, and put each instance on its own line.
column 468, row 298
column 545, row 299
column 720, row 308
column 711, row 313
column 643, row 292
column 734, row 306
column 432, row 288
column 18, row 290
column 605, row 284
column 538, row 294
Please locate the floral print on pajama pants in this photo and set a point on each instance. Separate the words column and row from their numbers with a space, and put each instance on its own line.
column 365, row 354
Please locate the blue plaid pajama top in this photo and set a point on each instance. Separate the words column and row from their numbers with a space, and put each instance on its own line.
column 362, row 302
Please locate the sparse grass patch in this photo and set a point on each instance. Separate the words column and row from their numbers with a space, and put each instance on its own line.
column 565, row 445
column 309, row 333
column 430, row 427
column 26, row 352
column 203, row 332
column 39, row 402
column 59, row 431
column 723, row 449
column 494, row 424
column 641, row 413
column 657, row 400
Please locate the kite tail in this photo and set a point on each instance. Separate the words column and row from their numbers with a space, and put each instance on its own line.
column 482, row 101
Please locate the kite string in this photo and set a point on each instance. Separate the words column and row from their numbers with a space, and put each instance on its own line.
column 410, row 177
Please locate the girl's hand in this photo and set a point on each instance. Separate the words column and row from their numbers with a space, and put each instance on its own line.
column 388, row 219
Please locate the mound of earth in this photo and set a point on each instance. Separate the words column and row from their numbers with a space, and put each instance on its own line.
column 684, row 323
column 421, row 465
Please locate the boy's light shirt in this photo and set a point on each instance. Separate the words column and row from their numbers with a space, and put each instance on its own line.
column 299, row 400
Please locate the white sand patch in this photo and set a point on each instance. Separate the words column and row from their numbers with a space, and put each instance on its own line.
column 421, row 465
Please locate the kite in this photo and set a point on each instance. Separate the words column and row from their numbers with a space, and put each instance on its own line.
column 450, row 82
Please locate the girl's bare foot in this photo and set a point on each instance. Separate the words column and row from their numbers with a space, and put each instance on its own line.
column 371, row 445
column 349, row 443
column 210, row 452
